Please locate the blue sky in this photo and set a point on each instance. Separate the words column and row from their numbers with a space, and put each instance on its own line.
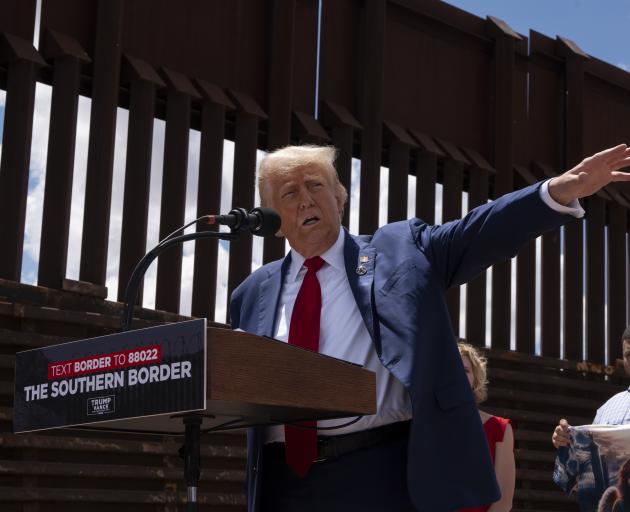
column 600, row 28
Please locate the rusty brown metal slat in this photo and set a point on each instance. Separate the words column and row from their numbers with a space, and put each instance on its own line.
column 399, row 144
column 371, row 94
column 535, row 399
column 28, row 340
column 550, row 296
column 525, row 282
column 143, row 81
column 525, row 298
column 115, row 496
column 126, row 471
column 23, row 62
column 503, row 155
column 573, row 289
column 595, row 220
column 476, row 289
column 398, row 181
column 453, row 180
column 617, row 276
column 280, row 74
column 174, row 174
column 280, row 93
column 53, row 252
column 573, row 235
column 99, row 445
column 525, row 416
column 342, row 137
column 65, row 316
column 426, row 173
column 501, row 315
column 209, row 197
column 98, row 189
column 243, row 194
column 342, row 124
column 557, row 380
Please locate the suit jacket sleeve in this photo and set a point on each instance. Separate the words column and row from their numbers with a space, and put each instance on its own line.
column 235, row 307
column 493, row 232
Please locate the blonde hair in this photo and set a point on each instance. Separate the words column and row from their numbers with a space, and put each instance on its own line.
column 478, row 363
column 289, row 158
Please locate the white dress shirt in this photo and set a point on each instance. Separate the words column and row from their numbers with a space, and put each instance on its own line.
column 616, row 411
column 343, row 333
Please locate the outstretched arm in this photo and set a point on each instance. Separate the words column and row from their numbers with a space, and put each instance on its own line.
column 493, row 232
column 591, row 174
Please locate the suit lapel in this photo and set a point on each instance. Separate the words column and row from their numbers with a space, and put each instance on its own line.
column 268, row 298
column 359, row 254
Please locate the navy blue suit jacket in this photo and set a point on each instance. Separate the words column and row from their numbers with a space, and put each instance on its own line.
column 402, row 301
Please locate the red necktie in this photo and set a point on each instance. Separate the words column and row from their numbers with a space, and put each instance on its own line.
column 301, row 443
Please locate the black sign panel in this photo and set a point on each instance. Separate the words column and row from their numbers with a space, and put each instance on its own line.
column 147, row 372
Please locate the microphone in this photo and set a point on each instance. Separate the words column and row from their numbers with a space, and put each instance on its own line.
column 260, row 221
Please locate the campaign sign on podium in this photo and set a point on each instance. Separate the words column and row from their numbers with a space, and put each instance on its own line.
column 146, row 372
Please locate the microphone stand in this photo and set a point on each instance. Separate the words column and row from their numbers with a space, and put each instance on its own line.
column 190, row 450
column 131, row 292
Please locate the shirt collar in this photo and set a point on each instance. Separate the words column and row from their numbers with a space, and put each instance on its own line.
column 333, row 257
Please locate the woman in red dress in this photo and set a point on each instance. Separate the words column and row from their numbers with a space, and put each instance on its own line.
column 498, row 432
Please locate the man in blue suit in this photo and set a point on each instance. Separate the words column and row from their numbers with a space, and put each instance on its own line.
column 381, row 304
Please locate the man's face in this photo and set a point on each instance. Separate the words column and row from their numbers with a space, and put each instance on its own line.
column 626, row 356
column 309, row 207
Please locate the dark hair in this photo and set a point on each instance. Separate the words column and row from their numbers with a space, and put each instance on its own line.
column 626, row 335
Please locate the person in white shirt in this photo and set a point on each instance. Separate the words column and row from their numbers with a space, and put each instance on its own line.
column 616, row 411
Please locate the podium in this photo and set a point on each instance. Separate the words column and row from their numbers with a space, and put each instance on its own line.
column 184, row 379
column 235, row 379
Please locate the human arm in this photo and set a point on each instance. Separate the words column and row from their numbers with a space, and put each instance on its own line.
column 494, row 232
column 235, row 309
column 505, row 470
column 560, row 435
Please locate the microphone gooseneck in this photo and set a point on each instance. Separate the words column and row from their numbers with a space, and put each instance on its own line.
column 259, row 221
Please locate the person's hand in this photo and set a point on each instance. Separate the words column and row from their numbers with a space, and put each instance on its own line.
column 560, row 435
column 591, row 174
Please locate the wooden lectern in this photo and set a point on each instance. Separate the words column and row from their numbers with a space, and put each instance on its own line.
column 158, row 380
column 254, row 380
column 148, row 379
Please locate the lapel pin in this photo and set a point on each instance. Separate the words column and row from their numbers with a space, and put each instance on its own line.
column 362, row 269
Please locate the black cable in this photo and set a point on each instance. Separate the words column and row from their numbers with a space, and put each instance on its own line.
column 168, row 237
column 133, row 286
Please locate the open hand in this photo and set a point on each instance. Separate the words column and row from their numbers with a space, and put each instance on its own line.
column 591, row 174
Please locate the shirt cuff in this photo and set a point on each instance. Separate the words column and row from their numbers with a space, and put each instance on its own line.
column 574, row 208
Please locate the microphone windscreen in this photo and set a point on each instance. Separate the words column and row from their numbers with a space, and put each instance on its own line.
column 269, row 221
